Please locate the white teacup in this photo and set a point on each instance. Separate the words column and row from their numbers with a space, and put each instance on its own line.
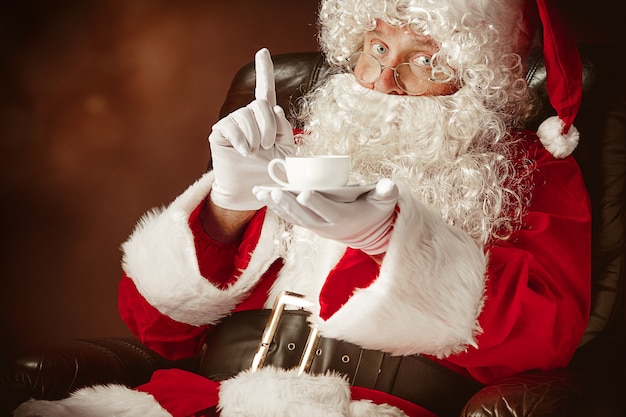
column 312, row 172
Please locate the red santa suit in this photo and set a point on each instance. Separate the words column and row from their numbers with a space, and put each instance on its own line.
column 485, row 312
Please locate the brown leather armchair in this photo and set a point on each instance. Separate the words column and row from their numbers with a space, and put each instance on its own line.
column 594, row 382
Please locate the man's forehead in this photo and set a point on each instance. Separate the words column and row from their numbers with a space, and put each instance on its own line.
column 423, row 39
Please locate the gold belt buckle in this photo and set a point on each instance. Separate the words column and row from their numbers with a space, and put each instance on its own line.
column 286, row 298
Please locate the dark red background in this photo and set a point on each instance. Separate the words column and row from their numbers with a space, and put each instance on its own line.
column 105, row 107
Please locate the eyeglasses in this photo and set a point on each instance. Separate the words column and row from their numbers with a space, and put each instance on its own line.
column 411, row 78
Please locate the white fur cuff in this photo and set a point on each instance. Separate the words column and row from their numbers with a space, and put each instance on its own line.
column 428, row 294
column 160, row 258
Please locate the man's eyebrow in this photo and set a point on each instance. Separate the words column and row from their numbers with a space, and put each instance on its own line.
column 425, row 40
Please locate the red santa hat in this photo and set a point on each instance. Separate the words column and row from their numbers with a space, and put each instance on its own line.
column 562, row 62
column 563, row 82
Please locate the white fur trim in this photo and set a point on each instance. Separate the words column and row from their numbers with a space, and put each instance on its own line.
column 97, row 401
column 558, row 144
column 272, row 392
column 161, row 260
column 309, row 256
column 428, row 295
column 366, row 408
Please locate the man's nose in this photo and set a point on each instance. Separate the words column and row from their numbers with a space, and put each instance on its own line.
column 386, row 83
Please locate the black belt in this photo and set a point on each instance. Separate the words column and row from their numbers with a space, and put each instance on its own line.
column 232, row 344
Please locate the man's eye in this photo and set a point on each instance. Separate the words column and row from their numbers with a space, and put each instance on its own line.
column 423, row 60
column 379, row 49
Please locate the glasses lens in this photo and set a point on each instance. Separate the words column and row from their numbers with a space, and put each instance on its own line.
column 365, row 67
column 412, row 78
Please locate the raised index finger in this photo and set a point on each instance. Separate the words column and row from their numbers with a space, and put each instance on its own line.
column 265, row 87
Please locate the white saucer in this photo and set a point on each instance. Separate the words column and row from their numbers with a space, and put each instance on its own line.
column 340, row 194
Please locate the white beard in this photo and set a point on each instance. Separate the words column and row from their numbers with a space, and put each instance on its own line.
column 449, row 150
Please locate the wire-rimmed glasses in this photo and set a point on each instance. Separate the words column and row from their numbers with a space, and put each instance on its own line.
column 411, row 78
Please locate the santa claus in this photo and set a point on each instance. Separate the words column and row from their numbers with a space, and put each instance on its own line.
column 467, row 262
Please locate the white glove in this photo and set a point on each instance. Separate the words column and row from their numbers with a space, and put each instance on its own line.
column 243, row 143
column 365, row 223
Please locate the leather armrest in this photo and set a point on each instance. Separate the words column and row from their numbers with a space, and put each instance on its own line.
column 53, row 371
column 592, row 385
column 529, row 394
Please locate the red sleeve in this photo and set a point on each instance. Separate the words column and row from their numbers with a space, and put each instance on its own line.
column 170, row 338
column 538, row 282
column 224, row 261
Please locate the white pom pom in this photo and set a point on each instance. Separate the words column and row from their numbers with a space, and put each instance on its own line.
column 558, row 144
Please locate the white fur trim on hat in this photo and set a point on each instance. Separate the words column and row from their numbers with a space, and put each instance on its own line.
column 97, row 401
column 557, row 143
column 160, row 258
